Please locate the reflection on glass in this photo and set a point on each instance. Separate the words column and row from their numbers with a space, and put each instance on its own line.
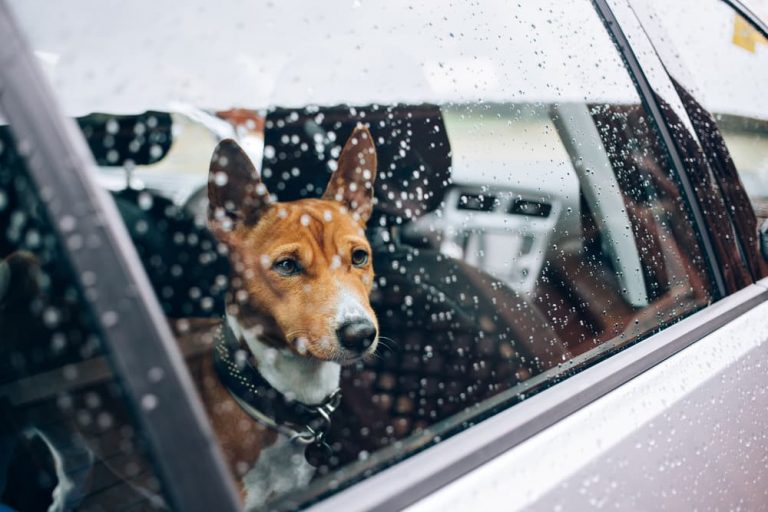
column 721, row 59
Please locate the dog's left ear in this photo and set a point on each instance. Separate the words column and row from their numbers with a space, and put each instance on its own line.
column 352, row 181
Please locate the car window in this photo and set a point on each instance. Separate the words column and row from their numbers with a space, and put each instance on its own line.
column 718, row 62
column 520, row 214
column 68, row 439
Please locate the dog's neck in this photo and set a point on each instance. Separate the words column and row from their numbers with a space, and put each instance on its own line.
column 307, row 380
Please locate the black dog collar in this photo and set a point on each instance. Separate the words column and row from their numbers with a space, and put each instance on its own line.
column 302, row 423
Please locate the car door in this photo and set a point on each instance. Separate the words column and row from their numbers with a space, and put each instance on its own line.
column 558, row 276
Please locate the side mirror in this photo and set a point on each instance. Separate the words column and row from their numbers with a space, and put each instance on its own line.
column 763, row 231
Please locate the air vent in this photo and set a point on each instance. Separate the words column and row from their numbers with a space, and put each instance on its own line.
column 476, row 202
column 530, row 208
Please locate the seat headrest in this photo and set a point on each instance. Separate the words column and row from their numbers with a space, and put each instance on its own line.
column 414, row 156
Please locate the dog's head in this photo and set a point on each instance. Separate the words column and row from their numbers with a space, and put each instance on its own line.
column 302, row 270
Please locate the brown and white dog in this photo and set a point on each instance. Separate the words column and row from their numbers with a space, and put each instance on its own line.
column 298, row 303
column 297, row 309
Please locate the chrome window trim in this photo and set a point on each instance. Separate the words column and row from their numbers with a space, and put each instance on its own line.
column 131, row 323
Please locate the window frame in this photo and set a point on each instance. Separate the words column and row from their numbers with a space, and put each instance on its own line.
column 181, row 442
column 655, row 87
column 736, row 199
column 749, row 15
column 179, row 428
column 761, row 26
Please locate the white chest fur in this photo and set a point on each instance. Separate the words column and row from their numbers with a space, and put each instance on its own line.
column 307, row 380
column 280, row 469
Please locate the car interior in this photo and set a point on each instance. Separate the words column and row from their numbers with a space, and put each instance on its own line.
column 478, row 288
column 55, row 381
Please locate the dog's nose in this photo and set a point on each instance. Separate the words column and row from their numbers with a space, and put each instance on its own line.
column 356, row 335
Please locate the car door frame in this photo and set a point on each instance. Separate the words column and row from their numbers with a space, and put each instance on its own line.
column 137, row 339
column 735, row 198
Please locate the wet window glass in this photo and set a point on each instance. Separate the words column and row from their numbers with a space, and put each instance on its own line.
column 372, row 225
column 718, row 77
column 722, row 60
column 68, row 439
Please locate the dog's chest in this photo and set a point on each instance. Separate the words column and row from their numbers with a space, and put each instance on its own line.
column 265, row 464
column 281, row 468
column 240, row 437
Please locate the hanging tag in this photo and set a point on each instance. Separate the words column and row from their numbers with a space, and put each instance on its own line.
column 317, row 454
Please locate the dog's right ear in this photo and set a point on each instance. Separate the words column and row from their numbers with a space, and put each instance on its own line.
column 236, row 194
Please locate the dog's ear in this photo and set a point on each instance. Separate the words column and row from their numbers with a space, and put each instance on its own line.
column 236, row 194
column 352, row 181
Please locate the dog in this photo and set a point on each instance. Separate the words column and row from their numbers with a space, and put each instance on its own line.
column 297, row 309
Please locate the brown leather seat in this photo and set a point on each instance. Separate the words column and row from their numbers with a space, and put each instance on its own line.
column 579, row 292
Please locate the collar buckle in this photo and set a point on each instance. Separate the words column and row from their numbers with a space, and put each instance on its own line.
column 316, row 435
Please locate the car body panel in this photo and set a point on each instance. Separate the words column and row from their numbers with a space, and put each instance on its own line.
column 687, row 434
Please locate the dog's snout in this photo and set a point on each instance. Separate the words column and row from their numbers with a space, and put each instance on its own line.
column 356, row 335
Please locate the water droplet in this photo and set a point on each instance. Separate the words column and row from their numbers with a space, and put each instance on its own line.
column 149, row 402
column 155, row 374
column 220, row 179
column 109, row 318
column 67, row 223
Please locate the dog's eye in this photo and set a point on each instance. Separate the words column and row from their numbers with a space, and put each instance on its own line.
column 359, row 257
column 287, row 267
